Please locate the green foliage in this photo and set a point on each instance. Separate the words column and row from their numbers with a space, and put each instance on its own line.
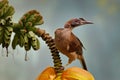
column 6, row 24
column 31, row 18
column 5, row 9
column 25, row 34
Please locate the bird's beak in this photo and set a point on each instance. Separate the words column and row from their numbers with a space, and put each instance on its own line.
column 87, row 22
column 83, row 21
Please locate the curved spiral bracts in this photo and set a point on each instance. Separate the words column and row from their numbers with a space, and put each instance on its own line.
column 55, row 54
column 24, row 35
column 6, row 24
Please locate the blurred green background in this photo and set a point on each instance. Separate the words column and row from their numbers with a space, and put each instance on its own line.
column 101, row 39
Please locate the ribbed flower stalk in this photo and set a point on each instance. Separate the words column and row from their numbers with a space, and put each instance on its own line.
column 55, row 53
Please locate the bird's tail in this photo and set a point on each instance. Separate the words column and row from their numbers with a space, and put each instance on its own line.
column 81, row 58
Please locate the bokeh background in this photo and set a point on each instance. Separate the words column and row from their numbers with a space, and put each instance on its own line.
column 101, row 39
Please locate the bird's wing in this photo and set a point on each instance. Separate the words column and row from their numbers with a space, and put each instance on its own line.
column 80, row 42
column 75, row 44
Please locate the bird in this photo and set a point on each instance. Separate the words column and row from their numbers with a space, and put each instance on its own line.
column 68, row 44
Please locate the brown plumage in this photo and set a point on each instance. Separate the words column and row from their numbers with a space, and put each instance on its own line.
column 68, row 44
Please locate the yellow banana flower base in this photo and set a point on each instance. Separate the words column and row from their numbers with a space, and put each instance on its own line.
column 73, row 73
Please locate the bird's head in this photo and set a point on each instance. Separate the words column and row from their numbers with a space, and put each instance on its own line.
column 76, row 22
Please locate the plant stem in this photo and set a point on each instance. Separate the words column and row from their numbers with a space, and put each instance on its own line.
column 55, row 53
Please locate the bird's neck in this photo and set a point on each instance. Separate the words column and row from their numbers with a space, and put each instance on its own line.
column 69, row 29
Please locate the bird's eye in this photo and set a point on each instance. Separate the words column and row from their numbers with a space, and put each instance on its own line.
column 76, row 21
